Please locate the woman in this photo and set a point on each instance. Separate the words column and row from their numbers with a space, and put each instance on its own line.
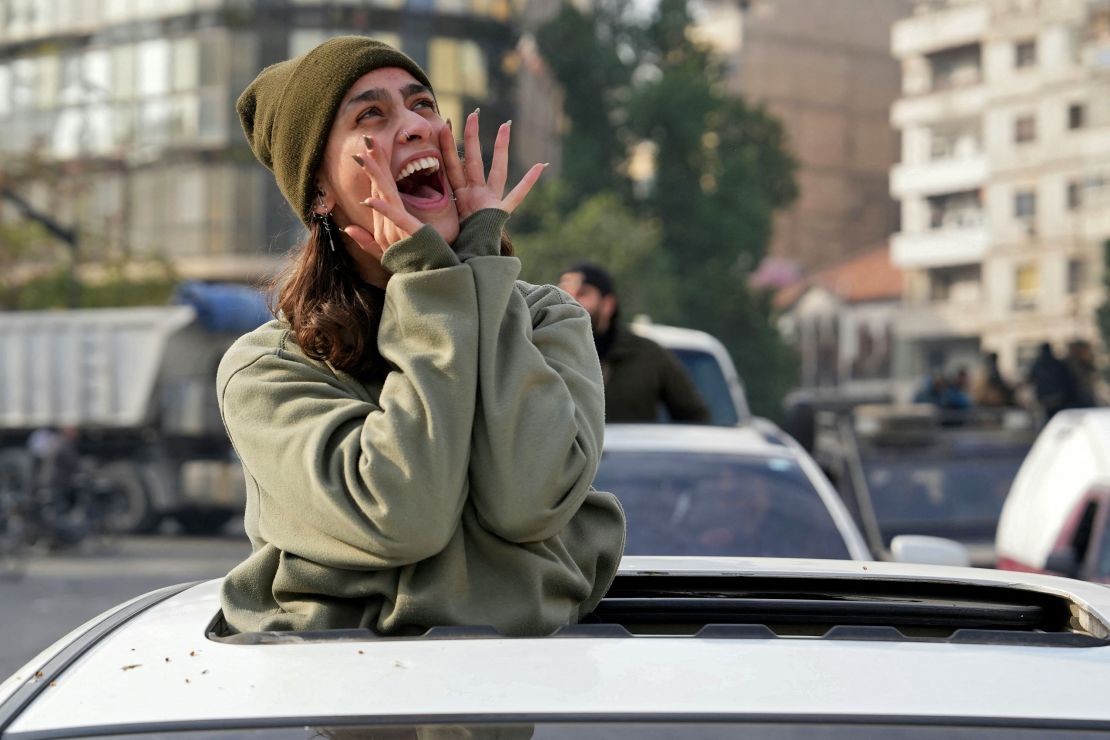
column 418, row 429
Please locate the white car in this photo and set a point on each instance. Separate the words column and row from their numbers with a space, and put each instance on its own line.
column 748, row 491
column 1056, row 517
column 709, row 365
column 680, row 648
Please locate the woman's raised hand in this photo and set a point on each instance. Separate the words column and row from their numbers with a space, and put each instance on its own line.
column 472, row 189
column 391, row 222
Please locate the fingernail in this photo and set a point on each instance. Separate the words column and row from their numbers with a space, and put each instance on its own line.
column 509, row 122
column 449, row 126
column 368, row 142
column 546, row 165
column 358, row 159
column 476, row 111
column 366, row 202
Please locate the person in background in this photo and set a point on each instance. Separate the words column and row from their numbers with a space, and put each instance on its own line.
column 990, row 388
column 1081, row 362
column 1052, row 381
column 639, row 374
column 955, row 396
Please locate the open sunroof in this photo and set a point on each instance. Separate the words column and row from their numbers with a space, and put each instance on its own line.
column 745, row 606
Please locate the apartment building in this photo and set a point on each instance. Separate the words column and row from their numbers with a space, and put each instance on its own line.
column 1004, row 180
column 119, row 118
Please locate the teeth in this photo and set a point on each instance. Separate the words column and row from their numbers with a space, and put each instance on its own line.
column 431, row 164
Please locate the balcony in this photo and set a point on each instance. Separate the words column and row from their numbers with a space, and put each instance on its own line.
column 954, row 25
column 938, row 176
column 940, row 247
column 939, row 106
column 946, row 319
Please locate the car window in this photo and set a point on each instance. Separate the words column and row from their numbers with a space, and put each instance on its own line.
column 929, row 495
column 706, row 373
column 1102, row 557
column 713, row 504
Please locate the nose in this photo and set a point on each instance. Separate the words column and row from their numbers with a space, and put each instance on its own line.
column 414, row 127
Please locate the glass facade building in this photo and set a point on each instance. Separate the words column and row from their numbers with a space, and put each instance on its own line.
column 119, row 115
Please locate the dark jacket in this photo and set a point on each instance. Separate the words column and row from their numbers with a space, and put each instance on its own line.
column 639, row 375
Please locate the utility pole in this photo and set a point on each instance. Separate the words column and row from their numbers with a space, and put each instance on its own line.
column 68, row 236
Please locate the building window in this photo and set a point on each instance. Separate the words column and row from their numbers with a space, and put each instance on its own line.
column 1027, row 283
column 1076, row 115
column 956, row 67
column 954, row 141
column 1025, row 204
column 1075, row 194
column 1077, row 275
column 1025, row 54
column 955, row 211
column 1025, row 129
column 956, row 284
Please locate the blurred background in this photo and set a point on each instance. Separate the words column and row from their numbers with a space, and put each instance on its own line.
column 855, row 196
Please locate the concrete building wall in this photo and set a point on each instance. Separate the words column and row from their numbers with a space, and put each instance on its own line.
column 824, row 68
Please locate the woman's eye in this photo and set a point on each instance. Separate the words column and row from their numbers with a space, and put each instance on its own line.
column 369, row 113
column 430, row 104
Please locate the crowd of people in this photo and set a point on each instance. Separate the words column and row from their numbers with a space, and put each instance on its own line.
column 1051, row 384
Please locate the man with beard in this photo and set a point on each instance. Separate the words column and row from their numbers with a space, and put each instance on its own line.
column 639, row 374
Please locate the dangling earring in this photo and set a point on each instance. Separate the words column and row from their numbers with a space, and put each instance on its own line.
column 325, row 221
column 327, row 225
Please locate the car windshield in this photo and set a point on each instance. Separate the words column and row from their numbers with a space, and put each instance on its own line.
column 685, row 503
column 954, row 497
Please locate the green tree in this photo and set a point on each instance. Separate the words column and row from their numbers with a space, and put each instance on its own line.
column 721, row 171
column 583, row 50
column 18, row 241
column 605, row 231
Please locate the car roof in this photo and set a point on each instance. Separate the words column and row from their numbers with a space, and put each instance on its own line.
column 746, row 439
column 157, row 670
column 678, row 336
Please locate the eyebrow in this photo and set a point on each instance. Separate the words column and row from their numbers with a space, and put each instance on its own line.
column 378, row 94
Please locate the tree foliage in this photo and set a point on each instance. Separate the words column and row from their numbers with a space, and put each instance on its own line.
column 603, row 230
column 703, row 220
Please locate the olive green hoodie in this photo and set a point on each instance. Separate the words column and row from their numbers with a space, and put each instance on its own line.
column 458, row 491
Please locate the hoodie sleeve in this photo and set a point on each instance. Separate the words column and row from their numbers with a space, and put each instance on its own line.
column 539, row 423
column 349, row 482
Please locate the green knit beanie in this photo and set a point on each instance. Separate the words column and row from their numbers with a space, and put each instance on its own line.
column 287, row 112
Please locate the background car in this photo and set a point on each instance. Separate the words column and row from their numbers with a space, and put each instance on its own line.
column 710, row 368
column 1055, row 518
column 680, row 647
column 915, row 469
column 705, row 490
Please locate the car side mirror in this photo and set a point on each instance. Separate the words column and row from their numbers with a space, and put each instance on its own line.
column 1063, row 561
column 925, row 550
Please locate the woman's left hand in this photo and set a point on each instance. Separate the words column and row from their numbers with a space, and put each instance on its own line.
column 472, row 189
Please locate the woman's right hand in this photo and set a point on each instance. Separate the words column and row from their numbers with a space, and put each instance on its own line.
column 391, row 222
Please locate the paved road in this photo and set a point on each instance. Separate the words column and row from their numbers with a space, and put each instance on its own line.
column 62, row 591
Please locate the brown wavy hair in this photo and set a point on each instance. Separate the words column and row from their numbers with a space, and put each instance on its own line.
column 333, row 313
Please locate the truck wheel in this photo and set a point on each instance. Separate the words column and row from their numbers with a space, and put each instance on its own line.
column 203, row 521
column 135, row 514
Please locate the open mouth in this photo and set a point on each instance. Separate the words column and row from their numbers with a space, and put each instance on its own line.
column 421, row 183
